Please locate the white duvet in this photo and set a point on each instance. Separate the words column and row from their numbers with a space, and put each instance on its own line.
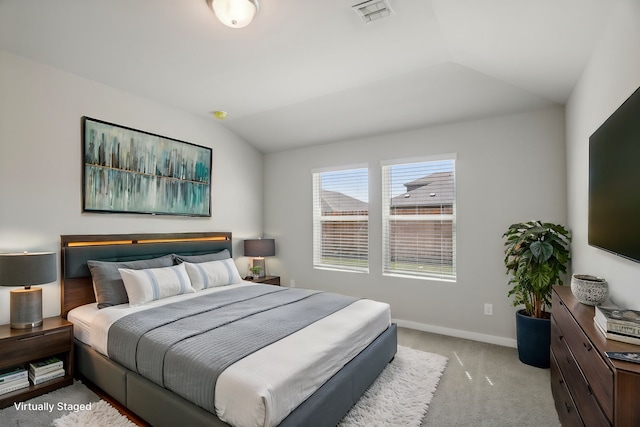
column 264, row 387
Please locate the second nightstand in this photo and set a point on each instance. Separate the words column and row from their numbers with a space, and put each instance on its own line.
column 268, row 280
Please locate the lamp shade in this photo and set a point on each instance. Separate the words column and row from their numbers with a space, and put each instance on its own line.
column 26, row 269
column 259, row 247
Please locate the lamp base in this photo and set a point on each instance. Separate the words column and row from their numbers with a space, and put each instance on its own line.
column 26, row 308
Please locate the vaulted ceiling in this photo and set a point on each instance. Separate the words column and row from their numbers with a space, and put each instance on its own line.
column 309, row 72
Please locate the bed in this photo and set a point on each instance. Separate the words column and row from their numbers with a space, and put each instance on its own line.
column 336, row 386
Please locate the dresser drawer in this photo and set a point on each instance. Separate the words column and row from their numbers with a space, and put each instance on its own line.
column 579, row 387
column 567, row 412
column 595, row 370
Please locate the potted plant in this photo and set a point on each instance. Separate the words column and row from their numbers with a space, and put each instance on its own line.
column 255, row 271
column 536, row 257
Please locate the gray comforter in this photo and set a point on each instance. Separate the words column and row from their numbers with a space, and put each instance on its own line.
column 185, row 346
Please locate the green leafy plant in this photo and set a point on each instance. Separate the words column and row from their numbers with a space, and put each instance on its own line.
column 255, row 270
column 536, row 256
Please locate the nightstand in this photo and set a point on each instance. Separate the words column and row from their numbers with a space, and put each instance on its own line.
column 21, row 346
column 268, row 280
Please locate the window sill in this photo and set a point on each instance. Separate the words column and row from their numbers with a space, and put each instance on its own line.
column 421, row 277
column 343, row 270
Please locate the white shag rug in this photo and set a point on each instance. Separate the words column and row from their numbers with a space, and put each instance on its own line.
column 101, row 415
column 401, row 394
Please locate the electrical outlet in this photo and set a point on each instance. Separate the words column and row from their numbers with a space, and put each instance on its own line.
column 488, row 309
column 292, row 283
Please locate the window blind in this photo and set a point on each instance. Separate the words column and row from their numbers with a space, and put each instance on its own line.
column 419, row 218
column 341, row 219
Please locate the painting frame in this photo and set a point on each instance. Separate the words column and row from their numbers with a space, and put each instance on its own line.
column 127, row 170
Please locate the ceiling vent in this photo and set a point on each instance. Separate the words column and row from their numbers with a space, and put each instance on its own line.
column 372, row 10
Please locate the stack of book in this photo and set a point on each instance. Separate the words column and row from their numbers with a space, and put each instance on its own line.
column 12, row 379
column 45, row 370
column 618, row 324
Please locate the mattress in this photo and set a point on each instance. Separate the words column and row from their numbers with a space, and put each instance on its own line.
column 264, row 387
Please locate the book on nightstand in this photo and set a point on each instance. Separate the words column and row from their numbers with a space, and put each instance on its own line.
column 9, row 386
column 43, row 366
column 12, row 374
column 48, row 376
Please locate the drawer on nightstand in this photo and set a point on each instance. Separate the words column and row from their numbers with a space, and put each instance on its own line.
column 36, row 345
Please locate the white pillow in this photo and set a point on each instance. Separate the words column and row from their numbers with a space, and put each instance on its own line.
column 210, row 274
column 152, row 284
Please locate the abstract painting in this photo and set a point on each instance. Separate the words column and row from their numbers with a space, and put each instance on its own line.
column 131, row 171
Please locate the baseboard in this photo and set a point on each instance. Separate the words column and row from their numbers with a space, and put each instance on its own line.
column 474, row 336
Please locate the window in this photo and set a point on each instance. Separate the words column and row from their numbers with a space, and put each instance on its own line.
column 341, row 219
column 419, row 218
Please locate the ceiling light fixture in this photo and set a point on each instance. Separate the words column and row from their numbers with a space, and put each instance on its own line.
column 235, row 13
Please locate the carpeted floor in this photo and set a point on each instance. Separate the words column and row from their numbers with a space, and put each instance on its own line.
column 399, row 397
column 34, row 415
column 484, row 385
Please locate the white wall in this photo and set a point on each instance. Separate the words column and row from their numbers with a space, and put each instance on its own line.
column 610, row 78
column 40, row 165
column 509, row 169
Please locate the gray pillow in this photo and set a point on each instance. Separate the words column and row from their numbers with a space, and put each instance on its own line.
column 107, row 282
column 215, row 256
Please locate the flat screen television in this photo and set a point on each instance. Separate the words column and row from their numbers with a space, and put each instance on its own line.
column 614, row 182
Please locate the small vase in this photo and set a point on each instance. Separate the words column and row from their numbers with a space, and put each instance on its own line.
column 589, row 290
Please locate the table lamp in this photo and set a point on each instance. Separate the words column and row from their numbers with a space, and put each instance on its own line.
column 27, row 269
column 260, row 248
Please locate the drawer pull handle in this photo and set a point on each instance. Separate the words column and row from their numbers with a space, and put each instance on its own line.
column 587, row 346
column 589, row 389
column 31, row 338
column 45, row 334
column 566, row 405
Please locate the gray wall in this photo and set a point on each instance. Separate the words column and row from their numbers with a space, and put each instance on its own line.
column 609, row 79
column 40, row 165
column 509, row 169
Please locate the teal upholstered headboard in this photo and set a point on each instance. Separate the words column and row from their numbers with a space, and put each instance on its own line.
column 76, row 250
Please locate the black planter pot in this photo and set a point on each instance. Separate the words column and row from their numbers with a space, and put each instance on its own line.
column 534, row 340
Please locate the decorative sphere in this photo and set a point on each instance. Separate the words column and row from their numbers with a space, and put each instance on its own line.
column 589, row 290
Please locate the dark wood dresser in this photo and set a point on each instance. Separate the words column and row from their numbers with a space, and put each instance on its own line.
column 589, row 389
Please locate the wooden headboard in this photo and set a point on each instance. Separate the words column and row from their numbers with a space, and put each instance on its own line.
column 76, row 250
